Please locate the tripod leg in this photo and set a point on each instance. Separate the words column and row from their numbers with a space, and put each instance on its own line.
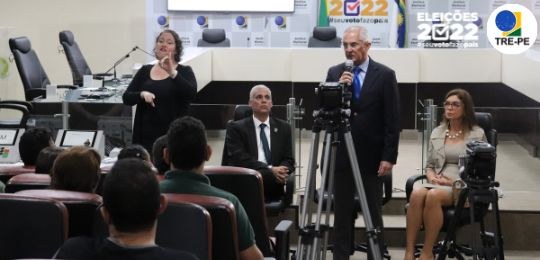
column 329, row 176
column 305, row 216
column 372, row 233
column 329, row 155
column 498, row 236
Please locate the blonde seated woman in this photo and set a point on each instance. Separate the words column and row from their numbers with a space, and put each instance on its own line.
column 446, row 143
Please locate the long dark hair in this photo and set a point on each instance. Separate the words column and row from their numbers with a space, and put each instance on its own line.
column 177, row 42
column 469, row 121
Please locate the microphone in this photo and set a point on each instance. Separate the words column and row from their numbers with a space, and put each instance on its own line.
column 349, row 65
column 150, row 54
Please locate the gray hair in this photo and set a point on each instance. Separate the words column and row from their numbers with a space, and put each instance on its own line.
column 257, row 87
column 362, row 32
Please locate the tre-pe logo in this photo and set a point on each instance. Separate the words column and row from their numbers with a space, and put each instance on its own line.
column 511, row 29
column 456, row 26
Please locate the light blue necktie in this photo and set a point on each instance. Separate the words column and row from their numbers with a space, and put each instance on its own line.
column 357, row 83
column 266, row 147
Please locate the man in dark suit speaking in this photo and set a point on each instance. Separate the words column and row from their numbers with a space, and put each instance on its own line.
column 375, row 130
column 262, row 143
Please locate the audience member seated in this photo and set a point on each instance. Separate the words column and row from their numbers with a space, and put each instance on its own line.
column 157, row 156
column 76, row 169
column 45, row 159
column 186, row 152
column 130, row 189
column 263, row 143
column 134, row 151
column 31, row 143
column 446, row 143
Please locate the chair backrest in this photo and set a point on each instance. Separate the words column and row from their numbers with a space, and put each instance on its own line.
column 214, row 38
column 485, row 121
column 324, row 37
column 32, row 74
column 31, row 227
column 224, row 230
column 7, row 172
column 247, row 186
column 81, row 207
column 28, row 181
column 75, row 58
column 20, row 123
column 185, row 226
column 242, row 111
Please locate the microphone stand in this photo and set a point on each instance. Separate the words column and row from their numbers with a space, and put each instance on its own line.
column 115, row 79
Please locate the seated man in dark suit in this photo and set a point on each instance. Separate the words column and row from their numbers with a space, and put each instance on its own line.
column 269, row 150
column 186, row 152
column 131, row 204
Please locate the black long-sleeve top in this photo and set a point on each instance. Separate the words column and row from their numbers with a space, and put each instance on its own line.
column 173, row 98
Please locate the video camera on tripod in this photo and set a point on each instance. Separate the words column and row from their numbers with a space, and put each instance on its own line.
column 332, row 116
column 477, row 166
column 334, row 98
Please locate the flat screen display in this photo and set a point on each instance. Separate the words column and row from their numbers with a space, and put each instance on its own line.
column 231, row 5
column 8, row 136
column 74, row 138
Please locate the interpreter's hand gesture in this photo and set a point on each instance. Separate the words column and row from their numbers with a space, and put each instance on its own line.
column 167, row 64
column 148, row 97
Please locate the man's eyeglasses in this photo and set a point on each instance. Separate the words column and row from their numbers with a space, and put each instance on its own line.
column 455, row 104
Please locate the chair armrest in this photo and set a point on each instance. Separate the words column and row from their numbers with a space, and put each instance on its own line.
column 282, row 233
column 410, row 183
column 34, row 93
column 290, row 186
column 67, row 86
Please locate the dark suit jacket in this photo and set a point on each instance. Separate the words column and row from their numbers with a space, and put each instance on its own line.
column 374, row 119
column 241, row 150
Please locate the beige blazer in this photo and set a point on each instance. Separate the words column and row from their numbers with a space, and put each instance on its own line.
column 436, row 156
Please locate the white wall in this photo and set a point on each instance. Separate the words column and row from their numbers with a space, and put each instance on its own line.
column 105, row 31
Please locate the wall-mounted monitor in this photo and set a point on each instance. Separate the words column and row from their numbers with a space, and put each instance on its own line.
column 269, row 6
column 90, row 138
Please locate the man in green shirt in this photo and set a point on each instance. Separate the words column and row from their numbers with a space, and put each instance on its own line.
column 186, row 152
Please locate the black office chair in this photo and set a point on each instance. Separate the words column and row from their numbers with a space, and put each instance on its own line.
column 483, row 120
column 32, row 74
column 324, row 37
column 273, row 208
column 23, row 107
column 75, row 58
column 214, row 38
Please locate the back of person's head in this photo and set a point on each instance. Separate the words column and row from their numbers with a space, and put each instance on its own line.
column 469, row 120
column 186, row 143
column 31, row 143
column 46, row 158
column 131, row 195
column 157, row 154
column 76, row 169
column 134, row 151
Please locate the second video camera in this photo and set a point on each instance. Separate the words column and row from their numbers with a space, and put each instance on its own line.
column 478, row 165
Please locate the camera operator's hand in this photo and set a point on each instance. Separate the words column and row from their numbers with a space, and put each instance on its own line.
column 346, row 77
column 281, row 173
